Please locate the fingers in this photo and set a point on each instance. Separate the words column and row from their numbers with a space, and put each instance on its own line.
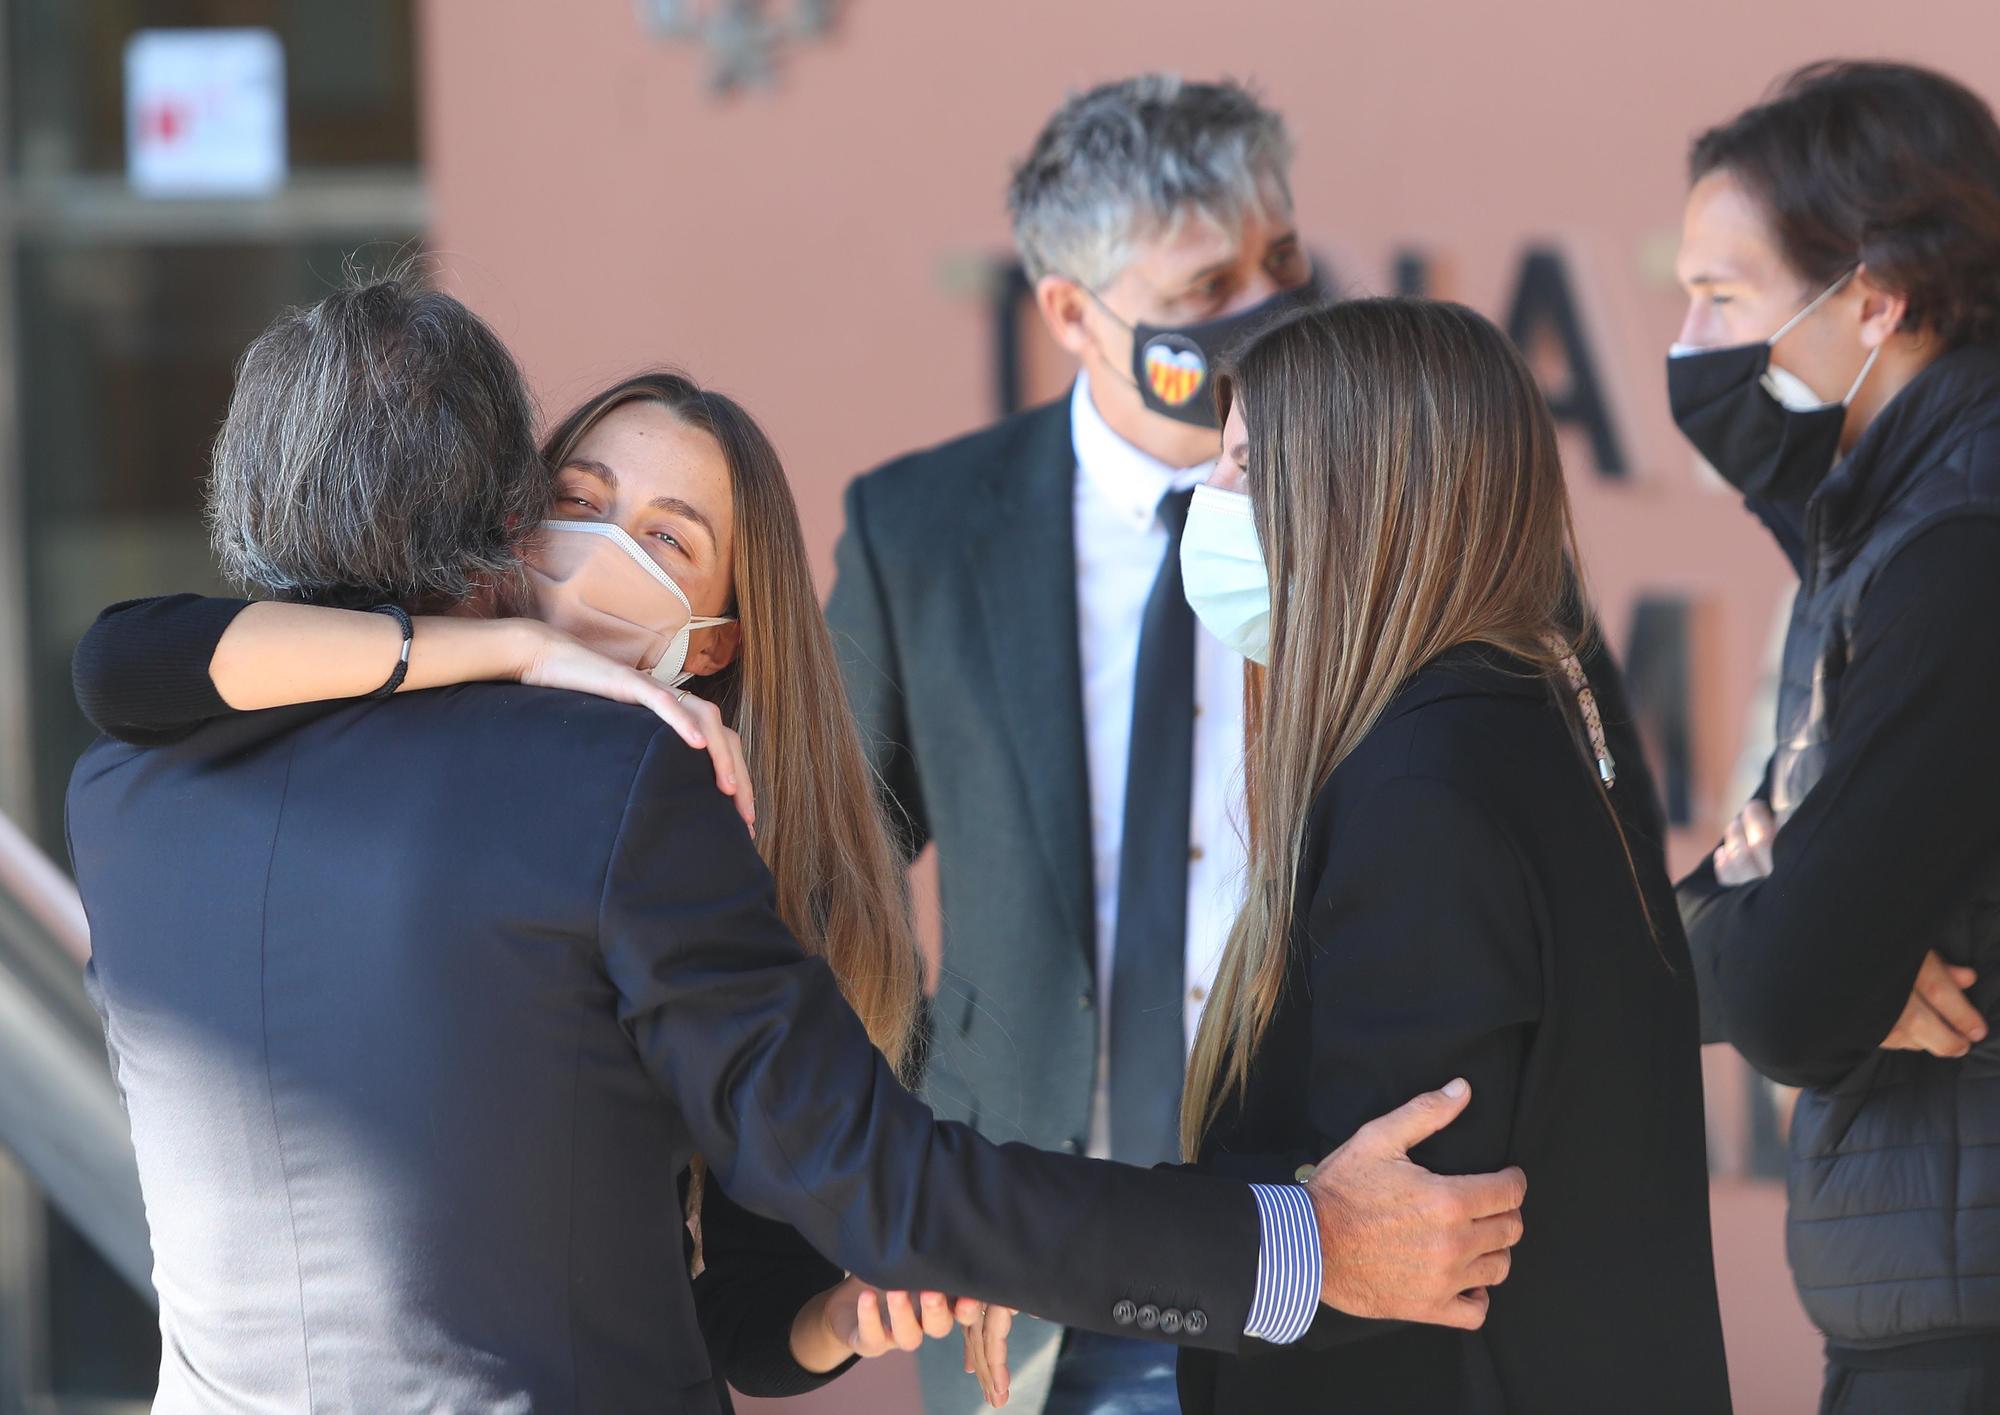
column 1493, row 1235
column 1489, row 1195
column 1744, row 856
column 1489, row 1269
column 746, row 791
column 999, row 1322
column 1947, row 998
column 935, row 1314
column 1733, row 865
column 975, row 1358
column 904, row 1328
column 1922, row 1029
column 1760, row 829
column 966, row 1310
column 698, row 722
column 1408, row 1126
column 869, row 1337
column 677, row 713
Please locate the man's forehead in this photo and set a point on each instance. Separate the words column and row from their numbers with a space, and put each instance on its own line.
column 1725, row 235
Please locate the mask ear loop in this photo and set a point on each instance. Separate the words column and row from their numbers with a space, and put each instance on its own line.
column 1817, row 300
column 1814, row 303
column 1121, row 374
column 1862, row 377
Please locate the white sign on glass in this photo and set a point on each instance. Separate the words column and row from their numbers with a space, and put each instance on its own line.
column 205, row 112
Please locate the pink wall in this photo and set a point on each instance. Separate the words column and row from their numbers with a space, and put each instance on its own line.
column 798, row 247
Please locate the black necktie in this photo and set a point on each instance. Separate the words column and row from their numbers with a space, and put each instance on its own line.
column 1149, row 953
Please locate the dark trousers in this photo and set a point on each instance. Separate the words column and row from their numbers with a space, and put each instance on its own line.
column 1113, row 1375
column 1960, row 1376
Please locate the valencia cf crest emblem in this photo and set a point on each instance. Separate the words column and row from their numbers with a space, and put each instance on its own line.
column 1176, row 369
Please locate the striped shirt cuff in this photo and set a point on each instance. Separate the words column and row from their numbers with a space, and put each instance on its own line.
column 1288, row 1271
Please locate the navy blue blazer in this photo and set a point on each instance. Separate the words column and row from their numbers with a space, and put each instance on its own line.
column 419, row 1006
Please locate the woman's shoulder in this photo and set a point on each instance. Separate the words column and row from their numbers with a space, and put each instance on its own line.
column 1469, row 745
column 1461, row 719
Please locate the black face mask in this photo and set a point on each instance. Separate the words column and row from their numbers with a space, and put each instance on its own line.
column 1764, row 447
column 1172, row 365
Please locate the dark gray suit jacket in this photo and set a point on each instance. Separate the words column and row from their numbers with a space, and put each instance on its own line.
column 418, row 1008
column 954, row 612
column 955, row 615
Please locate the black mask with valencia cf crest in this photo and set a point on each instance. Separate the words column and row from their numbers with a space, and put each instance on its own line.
column 1173, row 365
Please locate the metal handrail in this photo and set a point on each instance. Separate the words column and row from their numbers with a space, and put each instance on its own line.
column 44, row 891
column 60, row 1113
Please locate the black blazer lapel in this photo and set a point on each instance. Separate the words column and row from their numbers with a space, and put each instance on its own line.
column 1023, row 560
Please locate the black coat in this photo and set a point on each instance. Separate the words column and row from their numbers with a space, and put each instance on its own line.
column 1465, row 908
column 417, row 1008
column 1888, row 846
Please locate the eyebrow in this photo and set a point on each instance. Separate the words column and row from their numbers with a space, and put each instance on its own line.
column 672, row 505
column 1240, row 454
column 1224, row 266
column 1208, row 273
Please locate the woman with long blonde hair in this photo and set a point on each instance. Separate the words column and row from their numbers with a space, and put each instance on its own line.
column 687, row 481
column 1445, row 874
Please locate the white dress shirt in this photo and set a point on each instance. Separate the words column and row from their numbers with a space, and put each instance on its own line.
column 1120, row 543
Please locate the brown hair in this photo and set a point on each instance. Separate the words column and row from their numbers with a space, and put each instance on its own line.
column 820, row 825
column 1889, row 166
column 1409, row 497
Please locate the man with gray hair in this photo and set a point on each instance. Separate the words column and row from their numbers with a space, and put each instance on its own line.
column 418, row 1003
column 1042, row 704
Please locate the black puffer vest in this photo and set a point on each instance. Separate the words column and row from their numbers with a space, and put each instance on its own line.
column 1894, row 1223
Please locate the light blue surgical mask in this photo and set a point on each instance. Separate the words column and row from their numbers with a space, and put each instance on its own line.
column 1223, row 571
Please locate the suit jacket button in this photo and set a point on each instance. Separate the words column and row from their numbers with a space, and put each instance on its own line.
column 1124, row 1313
column 1304, row 1173
column 1171, row 1321
column 1149, row 1317
column 1196, row 1322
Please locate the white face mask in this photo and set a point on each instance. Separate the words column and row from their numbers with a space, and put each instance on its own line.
column 597, row 584
column 1223, row 572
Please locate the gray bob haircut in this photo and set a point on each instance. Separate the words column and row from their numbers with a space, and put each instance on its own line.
column 379, row 448
column 1128, row 161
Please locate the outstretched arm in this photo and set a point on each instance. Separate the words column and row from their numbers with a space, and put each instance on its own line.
column 153, row 670
column 166, row 665
column 781, row 1320
column 800, row 1118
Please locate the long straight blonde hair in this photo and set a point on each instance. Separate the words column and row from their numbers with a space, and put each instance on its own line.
column 820, row 823
column 1408, row 493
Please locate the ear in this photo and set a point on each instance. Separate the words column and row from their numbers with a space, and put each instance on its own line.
column 713, row 649
column 1882, row 310
column 1064, row 305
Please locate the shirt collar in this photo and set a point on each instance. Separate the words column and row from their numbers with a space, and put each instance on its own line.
column 1130, row 481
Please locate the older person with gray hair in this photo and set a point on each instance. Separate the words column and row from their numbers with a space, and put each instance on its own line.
column 419, row 1003
column 1042, row 705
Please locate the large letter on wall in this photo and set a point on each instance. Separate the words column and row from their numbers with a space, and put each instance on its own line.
column 1542, row 300
column 1656, row 680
